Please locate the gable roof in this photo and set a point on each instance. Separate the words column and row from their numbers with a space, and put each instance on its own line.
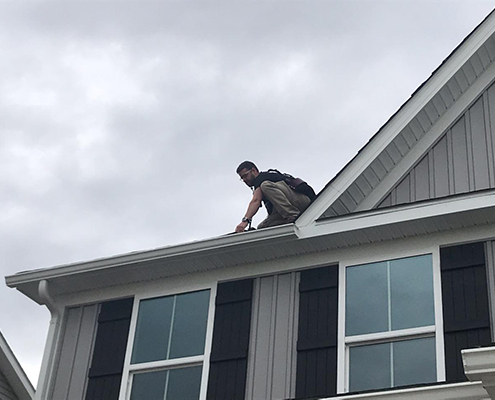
column 344, row 213
column 13, row 372
column 390, row 154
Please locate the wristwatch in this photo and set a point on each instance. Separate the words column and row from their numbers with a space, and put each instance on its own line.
column 244, row 219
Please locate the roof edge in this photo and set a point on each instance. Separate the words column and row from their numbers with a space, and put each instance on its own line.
column 216, row 243
column 8, row 361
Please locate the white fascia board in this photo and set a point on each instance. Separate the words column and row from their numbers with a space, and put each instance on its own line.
column 14, row 373
column 278, row 233
column 398, row 122
column 453, row 391
column 397, row 214
column 479, row 365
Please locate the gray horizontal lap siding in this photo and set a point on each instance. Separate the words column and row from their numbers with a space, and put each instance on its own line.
column 6, row 391
column 461, row 161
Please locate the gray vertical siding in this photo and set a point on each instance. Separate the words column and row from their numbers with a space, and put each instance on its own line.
column 75, row 353
column 461, row 161
column 6, row 391
column 272, row 357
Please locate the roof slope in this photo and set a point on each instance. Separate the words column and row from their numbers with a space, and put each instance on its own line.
column 413, row 130
column 13, row 372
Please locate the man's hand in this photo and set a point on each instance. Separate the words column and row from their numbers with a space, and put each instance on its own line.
column 241, row 227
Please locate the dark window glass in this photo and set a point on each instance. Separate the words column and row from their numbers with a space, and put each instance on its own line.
column 184, row 383
column 153, row 329
column 189, row 327
column 369, row 367
column 366, row 299
column 391, row 295
column 411, row 292
column 171, row 327
column 414, row 362
column 149, row 386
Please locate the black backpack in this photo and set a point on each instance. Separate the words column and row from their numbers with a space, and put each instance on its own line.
column 296, row 184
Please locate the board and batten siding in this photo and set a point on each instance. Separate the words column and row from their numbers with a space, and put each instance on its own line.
column 461, row 161
column 272, row 348
column 230, row 343
column 466, row 316
column 107, row 363
column 316, row 373
column 6, row 391
column 76, row 347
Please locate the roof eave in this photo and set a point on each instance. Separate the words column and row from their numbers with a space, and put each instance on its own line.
column 14, row 373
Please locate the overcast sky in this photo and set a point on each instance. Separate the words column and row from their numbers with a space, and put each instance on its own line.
column 122, row 123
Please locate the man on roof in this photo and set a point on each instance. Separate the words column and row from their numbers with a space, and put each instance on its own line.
column 284, row 196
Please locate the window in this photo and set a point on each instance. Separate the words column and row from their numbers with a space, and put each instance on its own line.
column 390, row 324
column 168, row 349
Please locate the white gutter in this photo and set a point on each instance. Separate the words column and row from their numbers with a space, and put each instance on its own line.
column 453, row 391
column 479, row 365
column 51, row 346
column 191, row 248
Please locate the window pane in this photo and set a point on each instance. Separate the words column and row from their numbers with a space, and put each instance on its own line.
column 153, row 329
column 149, row 386
column 369, row 367
column 366, row 299
column 414, row 362
column 189, row 327
column 184, row 383
column 411, row 281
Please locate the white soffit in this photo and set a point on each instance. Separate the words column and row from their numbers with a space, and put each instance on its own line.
column 402, row 140
column 14, row 373
column 448, row 211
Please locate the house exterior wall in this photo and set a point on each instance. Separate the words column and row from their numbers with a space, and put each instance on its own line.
column 76, row 346
column 6, row 391
column 272, row 358
column 272, row 353
column 461, row 161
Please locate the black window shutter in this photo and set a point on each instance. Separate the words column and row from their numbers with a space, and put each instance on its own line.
column 229, row 351
column 317, row 339
column 466, row 319
column 107, row 364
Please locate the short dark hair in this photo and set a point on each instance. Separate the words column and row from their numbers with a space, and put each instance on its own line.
column 246, row 165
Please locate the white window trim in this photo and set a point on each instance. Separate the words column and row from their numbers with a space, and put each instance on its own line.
column 204, row 359
column 435, row 331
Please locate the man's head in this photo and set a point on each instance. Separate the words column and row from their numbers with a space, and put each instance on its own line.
column 248, row 172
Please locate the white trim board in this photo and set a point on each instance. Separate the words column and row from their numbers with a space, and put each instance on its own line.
column 409, row 212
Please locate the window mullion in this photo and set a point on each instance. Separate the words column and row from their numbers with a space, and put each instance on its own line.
column 171, row 329
column 389, row 297
column 166, row 385
column 392, row 364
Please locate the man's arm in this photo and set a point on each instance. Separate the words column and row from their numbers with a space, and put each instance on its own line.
column 253, row 208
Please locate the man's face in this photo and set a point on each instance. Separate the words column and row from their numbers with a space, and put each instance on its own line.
column 247, row 176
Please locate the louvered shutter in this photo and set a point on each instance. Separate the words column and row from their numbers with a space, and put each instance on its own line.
column 317, row 338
